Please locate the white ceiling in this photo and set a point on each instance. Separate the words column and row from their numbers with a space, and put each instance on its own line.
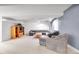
column 33, row 11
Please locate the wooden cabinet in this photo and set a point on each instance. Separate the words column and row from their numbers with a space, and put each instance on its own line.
column 17, row 31
column 13, row 32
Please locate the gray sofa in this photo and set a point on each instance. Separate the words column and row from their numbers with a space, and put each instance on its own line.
column 56, row 43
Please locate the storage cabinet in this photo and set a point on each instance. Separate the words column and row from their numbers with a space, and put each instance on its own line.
column 17, row 31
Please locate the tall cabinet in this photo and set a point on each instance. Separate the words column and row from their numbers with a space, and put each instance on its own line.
column 17, row 31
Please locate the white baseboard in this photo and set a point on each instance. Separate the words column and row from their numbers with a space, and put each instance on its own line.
column 73, row 48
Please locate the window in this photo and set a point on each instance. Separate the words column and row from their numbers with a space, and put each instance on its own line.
column 55, row 25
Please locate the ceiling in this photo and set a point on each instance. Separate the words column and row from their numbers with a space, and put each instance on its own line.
column 32, row 11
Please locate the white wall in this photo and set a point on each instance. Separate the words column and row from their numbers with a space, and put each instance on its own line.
column 0, row 29
column 29, row 25
column 36, row 26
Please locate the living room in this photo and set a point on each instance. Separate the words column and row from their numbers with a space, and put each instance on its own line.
column 23, row 27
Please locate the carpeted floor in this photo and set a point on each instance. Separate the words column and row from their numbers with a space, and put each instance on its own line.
column 26, row 45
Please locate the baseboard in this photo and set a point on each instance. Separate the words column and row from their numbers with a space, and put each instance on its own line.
column 73, row 48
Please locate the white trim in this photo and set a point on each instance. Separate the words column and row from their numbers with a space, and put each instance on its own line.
column 73, row 48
